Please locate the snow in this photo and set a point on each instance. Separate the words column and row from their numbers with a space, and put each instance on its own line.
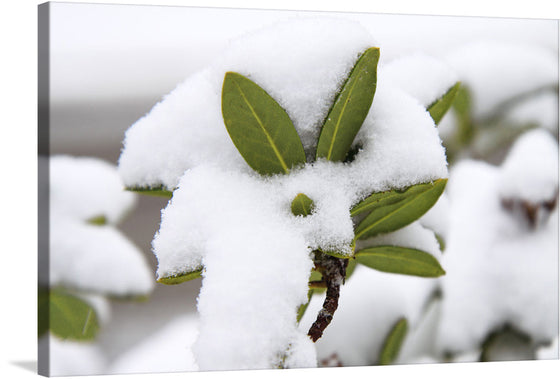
column 81, row 189
column 80, row 252
column 165, row 350
column 541, row 110
column 236, row 224
column 495, row 71
column 247, row 302
column 498, row 269
column 201, row 209
column 186, row 129
column 401, row 146
column 422, row 76
column 437, row 218
column 72, row 358
column 301, row 353
column 530, row 172
column 73, row 179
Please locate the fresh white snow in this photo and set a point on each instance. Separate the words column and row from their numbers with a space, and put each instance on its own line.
column 84, row 188
column 422, row 76
column 530, row 171
column 86, row 257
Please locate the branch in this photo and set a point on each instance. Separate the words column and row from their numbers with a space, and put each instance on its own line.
column 333, row 271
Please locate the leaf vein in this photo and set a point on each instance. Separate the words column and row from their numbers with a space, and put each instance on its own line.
column 268, row 137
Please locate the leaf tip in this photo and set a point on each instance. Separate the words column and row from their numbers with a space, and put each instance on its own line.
column 373, row 50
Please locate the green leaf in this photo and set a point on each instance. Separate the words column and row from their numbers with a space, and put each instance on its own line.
column 349, row 109
column 258, row 126
column 351, row 267
column 466, row 130
column 181, row 278
column 463, row 108
column 98, row 220
column 302, row 308
column 160, row 191
column 463, row 102
column 393, row 342
column 70, row 317
column 441, row 242
column 128, row 297
column 400, row 260
column 439, row 108
column 392, row 210
column 315, row 276
column 302, row 205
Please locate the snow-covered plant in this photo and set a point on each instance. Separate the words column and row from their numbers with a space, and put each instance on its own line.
column 265, row 136
column 504, row 94
column 323, row 162
column 502, row 251
column 89, row 260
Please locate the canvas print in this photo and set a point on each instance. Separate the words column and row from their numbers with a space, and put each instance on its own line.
column 229, row 189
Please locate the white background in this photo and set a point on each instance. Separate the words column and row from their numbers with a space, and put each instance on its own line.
column 18, row 149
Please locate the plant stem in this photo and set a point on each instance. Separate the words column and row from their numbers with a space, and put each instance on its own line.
column 333, row 271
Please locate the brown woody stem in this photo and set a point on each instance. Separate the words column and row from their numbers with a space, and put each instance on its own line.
column 333, row 271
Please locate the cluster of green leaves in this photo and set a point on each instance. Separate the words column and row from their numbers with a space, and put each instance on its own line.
column 266, row 138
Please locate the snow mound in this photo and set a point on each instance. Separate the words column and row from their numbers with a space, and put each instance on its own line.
column 82, row 189
column 530, row 172
column 85, row 188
